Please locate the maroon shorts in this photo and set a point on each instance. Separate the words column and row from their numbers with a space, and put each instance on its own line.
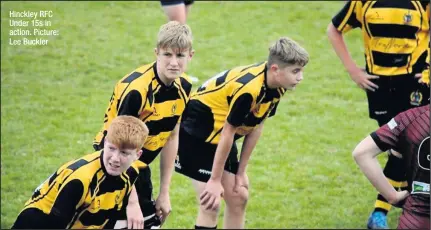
column 411, row 220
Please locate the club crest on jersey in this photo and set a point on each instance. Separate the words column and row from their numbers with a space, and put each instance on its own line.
column 416, row 98
column 174, row 109
column 155, row 112
column 424, row 154
column 408, row 18
column 117, row 199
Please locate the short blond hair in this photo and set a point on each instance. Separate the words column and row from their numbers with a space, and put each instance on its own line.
column 175, row 35
column 127, row 132
column 286, row 51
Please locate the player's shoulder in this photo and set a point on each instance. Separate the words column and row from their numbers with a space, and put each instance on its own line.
column 137, row 165
column 405, row 119
column 133, row 171
column 254, row 69
column 185, row 83
column 413, row 113
column 144, row 73
column 84, row 167
column 252, row 77
column 185, row 77
column 248, row 74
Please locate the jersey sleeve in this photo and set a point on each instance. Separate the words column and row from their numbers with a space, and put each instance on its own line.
column 66, row 202
column 388, row 136
column 240, row 106
column 349, row 17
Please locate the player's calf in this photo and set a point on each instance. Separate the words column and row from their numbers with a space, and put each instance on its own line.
column 206, row 219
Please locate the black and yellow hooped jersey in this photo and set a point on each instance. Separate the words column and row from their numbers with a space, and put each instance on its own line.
column 395, row 33
column 239, row 96
column 80, row 194
column 142, row 94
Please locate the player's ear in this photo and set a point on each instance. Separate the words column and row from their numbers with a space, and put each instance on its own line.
column 156, row 51
column 191, row 53
column 138, row 154
column 274, row 67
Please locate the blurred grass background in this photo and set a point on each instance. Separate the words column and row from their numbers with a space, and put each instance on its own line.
column 302, row 174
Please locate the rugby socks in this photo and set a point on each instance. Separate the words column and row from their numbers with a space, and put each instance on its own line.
column 395, row 173
column 201, row 227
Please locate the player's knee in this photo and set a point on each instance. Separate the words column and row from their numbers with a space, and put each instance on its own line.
column 238, row 199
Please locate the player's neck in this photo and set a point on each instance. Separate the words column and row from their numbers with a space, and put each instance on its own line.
column 270, row 80
column 165, row 80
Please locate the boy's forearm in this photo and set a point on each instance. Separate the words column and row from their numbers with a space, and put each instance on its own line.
column 167, row 161
column 133, row 198
column 248, row 146
column 372, row 170
column 340, row 48
column 222, row 151
column 365, row 155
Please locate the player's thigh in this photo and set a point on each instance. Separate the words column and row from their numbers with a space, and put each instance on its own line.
column 199, row 187
column 172, row 3
column 379, row 105
column 195, row 157
column 176, row 11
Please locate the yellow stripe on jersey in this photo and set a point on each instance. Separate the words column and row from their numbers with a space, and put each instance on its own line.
column 95, row 199
column 351, row 9
column 395, row 33
column 142, row 94
column 239, row 96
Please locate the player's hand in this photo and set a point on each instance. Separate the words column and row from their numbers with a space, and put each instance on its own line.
column 241, row 180
column 398, row 197
column 211, row 196
column 423, row 77
column 363, row 79
column 135, row 219
column 418, row 76
column 163, row 207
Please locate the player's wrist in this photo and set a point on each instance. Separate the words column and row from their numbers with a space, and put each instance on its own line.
column 353, row 69
column 240, row 172
column 392, row 197
column 164, row 192
column 216, row 179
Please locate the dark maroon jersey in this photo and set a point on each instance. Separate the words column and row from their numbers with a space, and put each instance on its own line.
column 409, row 134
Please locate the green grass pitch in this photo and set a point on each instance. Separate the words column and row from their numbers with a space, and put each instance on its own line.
column 302, row 173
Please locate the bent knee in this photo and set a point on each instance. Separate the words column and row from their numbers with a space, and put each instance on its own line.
column 239, row 198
